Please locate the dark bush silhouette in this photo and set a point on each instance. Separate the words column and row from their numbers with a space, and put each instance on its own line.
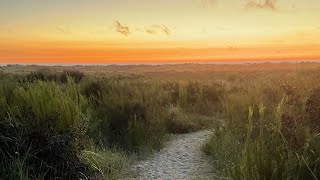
column 77, row 76
column 44, row 155
column 43, row 75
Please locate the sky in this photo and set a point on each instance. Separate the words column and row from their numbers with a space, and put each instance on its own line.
column 111, row 31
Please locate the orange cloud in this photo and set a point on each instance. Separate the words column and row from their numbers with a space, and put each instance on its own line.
column 266, row 4
column 155, row 29
column 121, row 28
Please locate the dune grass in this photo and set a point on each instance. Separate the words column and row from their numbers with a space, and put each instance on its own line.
column 91, row 125
column 272, row 130
column 67, row 125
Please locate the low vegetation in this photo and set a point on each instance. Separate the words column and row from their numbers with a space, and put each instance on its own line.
column 271, row 129
column 66, row 124
column 69, row 125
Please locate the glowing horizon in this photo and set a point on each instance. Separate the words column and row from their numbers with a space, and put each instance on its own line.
column 96, row 31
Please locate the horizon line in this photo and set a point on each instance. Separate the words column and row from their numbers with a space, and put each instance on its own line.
column 165, row 63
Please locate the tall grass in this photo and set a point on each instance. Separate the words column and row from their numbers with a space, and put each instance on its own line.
column 268, row 140
column 108, row 164
column 41, row 129
column 66, row 125
column 127, row 114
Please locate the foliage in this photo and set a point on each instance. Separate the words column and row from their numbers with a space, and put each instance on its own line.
column 268, row 140
column 108, row 164
column 77, row 76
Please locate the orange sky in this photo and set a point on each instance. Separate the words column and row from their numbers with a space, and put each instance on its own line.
column 96, row 31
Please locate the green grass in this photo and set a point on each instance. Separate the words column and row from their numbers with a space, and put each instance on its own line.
column 67, row 125
column 70, row 125
column 271, row 131
column 107, row 163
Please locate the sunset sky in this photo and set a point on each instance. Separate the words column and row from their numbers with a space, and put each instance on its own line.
column 104, row 31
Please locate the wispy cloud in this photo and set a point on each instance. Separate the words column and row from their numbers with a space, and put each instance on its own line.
column 121, row 28
column 153, row 29
column 265, row 4
column 158, row 29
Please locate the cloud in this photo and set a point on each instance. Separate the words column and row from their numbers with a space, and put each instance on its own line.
column 158, row 29
column 121, row 28
column 153, row 29
column 265, row 4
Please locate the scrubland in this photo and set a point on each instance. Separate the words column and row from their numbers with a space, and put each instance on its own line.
column 90, row 122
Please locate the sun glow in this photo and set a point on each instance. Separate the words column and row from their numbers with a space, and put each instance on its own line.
column 163, row 31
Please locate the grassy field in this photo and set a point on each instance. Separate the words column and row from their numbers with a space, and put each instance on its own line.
column 93, row 120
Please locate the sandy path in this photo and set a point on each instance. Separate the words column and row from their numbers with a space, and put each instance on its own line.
column 180, row 159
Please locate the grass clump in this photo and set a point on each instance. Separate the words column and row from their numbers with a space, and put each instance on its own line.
column 41, row 133
column 77, row 76
column 179, row 122
column 45, row 106
column 107, row 163
column 127, row 115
